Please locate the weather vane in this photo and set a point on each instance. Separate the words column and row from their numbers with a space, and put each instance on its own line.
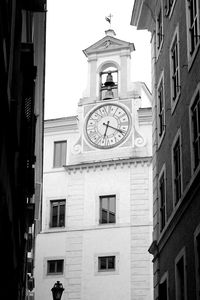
column 108, row 18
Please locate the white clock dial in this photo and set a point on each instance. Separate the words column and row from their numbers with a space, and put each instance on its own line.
column 107, row 126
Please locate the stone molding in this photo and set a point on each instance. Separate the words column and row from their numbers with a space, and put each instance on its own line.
column 100, row 165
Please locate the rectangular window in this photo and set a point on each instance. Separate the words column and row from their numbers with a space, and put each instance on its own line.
column 195, row 111
column 193, row 24
column 161, row 109
column 177, row 172
column 55, row 267
column 175, row 70
column 106, row 263
column 163, row 290
column 57, row 213
column 162, row 193
column 60, row 149
column 180, row 276
column 159, row 26
column 107, row 209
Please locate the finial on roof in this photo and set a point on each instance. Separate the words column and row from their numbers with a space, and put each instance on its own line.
column 110, row 32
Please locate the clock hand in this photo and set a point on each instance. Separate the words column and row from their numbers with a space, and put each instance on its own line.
column 106, row 128
column 121, row 131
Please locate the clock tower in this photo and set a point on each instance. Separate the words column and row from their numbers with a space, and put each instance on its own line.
column 97, row 197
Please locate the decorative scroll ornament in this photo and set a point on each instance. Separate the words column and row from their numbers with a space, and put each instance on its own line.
column 76, row 149
column 139, row 140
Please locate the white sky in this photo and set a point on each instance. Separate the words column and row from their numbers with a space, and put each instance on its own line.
column 72, row 26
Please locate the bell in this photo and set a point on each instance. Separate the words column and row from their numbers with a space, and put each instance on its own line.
column 108, row 94
column 109, row 80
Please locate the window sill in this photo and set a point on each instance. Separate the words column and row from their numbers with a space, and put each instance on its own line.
column 54, row 229
column 160, row 139
column 158, row 50
column 191, row 58
column 169, row 15
column 175, row 102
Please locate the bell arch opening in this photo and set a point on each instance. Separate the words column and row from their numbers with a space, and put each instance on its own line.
column 109, row 77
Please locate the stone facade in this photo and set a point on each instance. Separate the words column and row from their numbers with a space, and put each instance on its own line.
column 89, row 173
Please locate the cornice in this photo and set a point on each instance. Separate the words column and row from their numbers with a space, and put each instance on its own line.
column 107, row 164
column 61, row 124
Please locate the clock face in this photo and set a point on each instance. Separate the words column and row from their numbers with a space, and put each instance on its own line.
column 107, row 126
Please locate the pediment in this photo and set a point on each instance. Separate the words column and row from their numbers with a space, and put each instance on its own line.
column 108, row 43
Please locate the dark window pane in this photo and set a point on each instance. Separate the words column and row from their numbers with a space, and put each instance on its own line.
column 51, row 266
column 62, row 215
column 111, row 262
column 104, row 217
column 102, row 263
column 111, row 217
column 54, row 216
column 59, row 266
column 163, row 291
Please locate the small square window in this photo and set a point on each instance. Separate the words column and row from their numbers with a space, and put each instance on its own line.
column 55, row 267
column 107, row 209
column 60, row 149
column 106, row 263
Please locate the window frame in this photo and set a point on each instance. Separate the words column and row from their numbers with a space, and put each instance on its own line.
column 194, row 102
column 164, row 205
column 180, row 173
column 161, row 111
column 175, row 79
column 62, row 155
column 197, row 261
column 107, row 269
column 165, row 277
column 181, row 255
column 159, row 30
column 192, row 54
column 48, row 260
column 59, row 202
column 108, row 196
column 169, row 7
column 115, row 271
